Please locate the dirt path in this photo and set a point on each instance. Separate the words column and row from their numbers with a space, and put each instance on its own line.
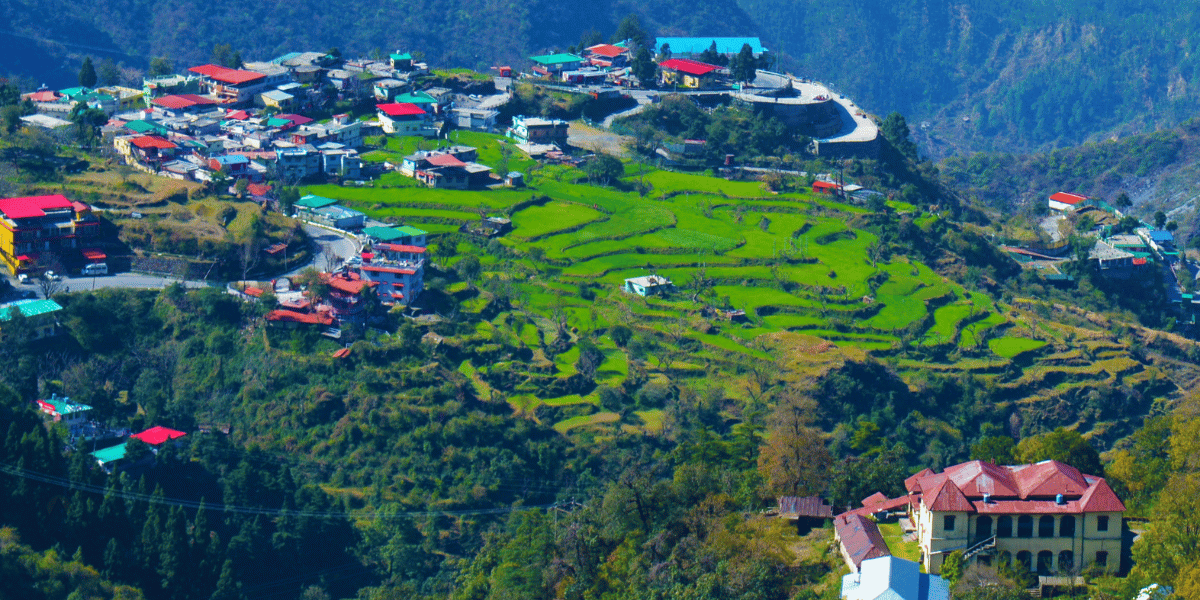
column 598, row 140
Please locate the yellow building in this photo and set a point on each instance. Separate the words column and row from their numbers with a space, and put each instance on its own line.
column 127, row 98
column 37, row 225
column 688, row 73
column 1047, row 515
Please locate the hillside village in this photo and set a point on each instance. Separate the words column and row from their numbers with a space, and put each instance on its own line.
column 514, row 271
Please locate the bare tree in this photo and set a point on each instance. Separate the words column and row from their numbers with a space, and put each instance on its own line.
column 249, row 257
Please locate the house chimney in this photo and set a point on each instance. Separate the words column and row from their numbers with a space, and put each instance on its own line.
column 1059, row 499
column 987, row 498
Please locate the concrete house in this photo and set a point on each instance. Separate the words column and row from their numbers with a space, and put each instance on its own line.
column 553, row 64
column 405, row 118
column 536, row 130
column 689, row 73
column 891, row 578
column 650, row 285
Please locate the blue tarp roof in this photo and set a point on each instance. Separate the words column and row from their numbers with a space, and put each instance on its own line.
column 696, row 45
column 1162, row 236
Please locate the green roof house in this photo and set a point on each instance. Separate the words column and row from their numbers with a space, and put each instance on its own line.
column 108, row 456
column 314, row 202
column 551, row 64
column 62, row 409
column 39, row 312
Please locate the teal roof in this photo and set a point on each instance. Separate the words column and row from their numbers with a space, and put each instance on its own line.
column 311, row 201
column 415, row 98
column 64, row 406
column 410, row 231
column 405, row 56
column 108, row 455
column 141, row 126
column 75, row 91
column 273, row 122
column 555, row 59
column 383, row 234
column 29, row 308
column 696, row 45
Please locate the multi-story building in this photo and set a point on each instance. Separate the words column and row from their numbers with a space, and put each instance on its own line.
column 535, row 130
column 36, row 225
column 398, row 269
column 1047, row 516
column 235, row 86
column 405, row 118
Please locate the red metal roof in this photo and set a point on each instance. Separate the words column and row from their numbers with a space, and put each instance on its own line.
column 32, row 206
column 860, row 538
column 913, row 484
column 445, row 160
column 691, row 67
column 178, row 101
column 290, row 316
column 1139, row 261
column 946, row 497
column 93, row 254
column 44, row 96
column 378, row 269
column 253, row 291
column 157, row 435
column 400, row 248
column 608, row 50
column 226, row 75
column 400, row 109
column 152, row 141
column 825, row 185
column 1100, row 498
column 341, row 353
column 1016, row 489
column 258, row 189
column 1067, row 198
column 238, row 115
column 876, row 498
column 349, row 283
column 977, row 477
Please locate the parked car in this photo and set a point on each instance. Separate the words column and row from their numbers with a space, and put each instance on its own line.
column 50, row 276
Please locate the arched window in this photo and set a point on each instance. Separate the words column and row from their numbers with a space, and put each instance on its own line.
column 1066, row 526
column 1045, row 562
column 1024, row 526
column 1004, row 526
column 1046, row 526
column 1066, row 561
column 983, row 527
column 1025, row 559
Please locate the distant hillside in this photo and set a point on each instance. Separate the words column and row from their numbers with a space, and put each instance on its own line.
column 1027, row 74
column 1159, row 171
column 464, row 33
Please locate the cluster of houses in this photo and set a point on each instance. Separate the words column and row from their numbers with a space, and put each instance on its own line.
column 388, row 272
column 609, row 64
column 81, row 429
column 1047, row 517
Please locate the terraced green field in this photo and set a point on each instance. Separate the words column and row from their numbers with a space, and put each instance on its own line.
column 793, row 262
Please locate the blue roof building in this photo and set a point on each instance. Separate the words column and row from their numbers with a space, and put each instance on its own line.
column 697, row 45
column 891, row 578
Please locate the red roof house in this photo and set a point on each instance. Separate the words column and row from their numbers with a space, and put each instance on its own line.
column 32, row 206
column 400, row 109
column 859, row 538
column 146, row 142
column 1064, row 201
column 607, row 50
column 688, row 66
column 226, row 75
column 158, row 435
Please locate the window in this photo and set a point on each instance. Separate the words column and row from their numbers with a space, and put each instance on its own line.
column 1045, row 562
column 1046, row 526
column 1004, row 526
column 1102, row 559
column 1025, row 526
column 1066, row 561
column 948, row 522
column 1102, row 523
column 1066, row 526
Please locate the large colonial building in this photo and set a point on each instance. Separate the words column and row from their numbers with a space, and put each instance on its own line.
column 1047, row 515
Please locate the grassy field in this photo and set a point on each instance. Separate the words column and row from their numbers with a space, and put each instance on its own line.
column 1009, row 347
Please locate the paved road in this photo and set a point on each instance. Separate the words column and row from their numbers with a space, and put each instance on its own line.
column 342, row 245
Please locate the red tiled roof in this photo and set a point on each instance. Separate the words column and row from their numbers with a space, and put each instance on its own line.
column 400, row 248
column 32, row 206
column 152, row 141
column 946, row 497
column 157, row 435
column 808, row 506
column 400, row 109
column 258, row 189
column 225, row 74
column 178, row 101
column 445, row 160
column 860, row 538
column 1100, row 498
column 290, row 316
column 691, row 67
column 44, row 96
column 608, row 50
column 1067, row 198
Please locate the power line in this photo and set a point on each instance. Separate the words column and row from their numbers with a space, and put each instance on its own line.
column 251, row 510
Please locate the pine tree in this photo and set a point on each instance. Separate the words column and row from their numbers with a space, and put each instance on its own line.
column 227, row 586
column 114, row 561
column 87, row 73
